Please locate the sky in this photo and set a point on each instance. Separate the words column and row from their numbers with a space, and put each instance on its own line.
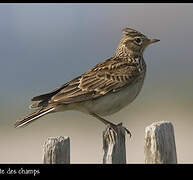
column 42, row 46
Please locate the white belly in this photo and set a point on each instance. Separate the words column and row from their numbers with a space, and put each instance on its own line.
column 113, row 102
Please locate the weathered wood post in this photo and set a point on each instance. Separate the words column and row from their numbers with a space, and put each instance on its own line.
column 114, row 145
column 160, row 145
column 56, row 150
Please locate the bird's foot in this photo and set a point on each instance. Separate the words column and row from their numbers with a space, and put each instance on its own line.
column 110, row 125
column 113, row 128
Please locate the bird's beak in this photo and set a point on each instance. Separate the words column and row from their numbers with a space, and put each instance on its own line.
column 153, row 41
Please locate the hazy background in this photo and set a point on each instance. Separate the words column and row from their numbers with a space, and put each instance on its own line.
column 44, row 45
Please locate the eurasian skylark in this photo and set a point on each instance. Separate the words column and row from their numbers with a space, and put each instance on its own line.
column 103, row 90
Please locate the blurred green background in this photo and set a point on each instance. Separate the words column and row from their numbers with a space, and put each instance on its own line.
column 42, row 46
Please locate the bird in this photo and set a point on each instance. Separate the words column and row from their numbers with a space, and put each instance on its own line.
column 103, row 90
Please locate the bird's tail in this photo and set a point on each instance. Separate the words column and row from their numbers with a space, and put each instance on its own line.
column 33, row 116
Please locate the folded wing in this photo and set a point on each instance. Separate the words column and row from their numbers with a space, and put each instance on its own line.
column 110, row 75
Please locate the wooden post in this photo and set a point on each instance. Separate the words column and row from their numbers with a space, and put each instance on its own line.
column 160, row 145
column 57, row 150
column 114, row 145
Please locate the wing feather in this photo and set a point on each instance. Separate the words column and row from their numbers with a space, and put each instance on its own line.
column 108, row 76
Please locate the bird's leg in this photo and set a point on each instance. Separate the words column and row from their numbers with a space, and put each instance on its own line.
column 110, row 124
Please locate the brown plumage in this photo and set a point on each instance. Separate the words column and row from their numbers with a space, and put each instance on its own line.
column 124, row 69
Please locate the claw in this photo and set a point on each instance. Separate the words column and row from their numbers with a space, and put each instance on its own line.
column 128, row 132
column 110, row 125
column 114, row 128
column 110, row 134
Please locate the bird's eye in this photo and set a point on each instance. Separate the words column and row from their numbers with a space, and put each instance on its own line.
column 138, row 40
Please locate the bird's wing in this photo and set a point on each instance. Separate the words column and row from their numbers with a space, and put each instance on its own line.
column 47, row 96
column 111, row 75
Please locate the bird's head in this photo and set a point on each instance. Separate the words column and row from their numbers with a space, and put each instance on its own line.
column 133, row 42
